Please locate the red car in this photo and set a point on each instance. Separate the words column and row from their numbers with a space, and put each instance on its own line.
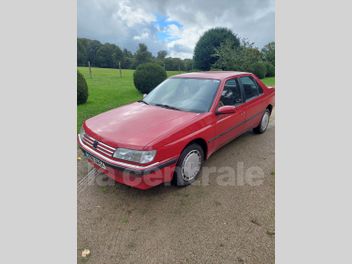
column 167, row 136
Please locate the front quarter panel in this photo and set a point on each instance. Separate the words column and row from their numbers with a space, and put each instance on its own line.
column 173, row 145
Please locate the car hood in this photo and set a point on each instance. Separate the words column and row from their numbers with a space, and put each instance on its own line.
column 137, row 124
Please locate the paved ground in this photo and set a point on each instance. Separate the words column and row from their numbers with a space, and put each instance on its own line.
column 197, row 224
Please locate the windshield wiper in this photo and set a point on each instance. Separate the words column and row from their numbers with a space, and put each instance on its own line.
column 168, row 106
column 142, row 101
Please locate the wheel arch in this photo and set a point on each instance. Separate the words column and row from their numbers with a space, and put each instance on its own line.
column 270, row 107
column 202, row 143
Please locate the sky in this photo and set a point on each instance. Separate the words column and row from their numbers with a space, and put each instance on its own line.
column 174, row 26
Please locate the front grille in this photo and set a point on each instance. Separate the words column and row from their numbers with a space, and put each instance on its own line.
column 100, row 147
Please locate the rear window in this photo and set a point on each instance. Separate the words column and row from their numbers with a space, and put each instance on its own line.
column 250, row 87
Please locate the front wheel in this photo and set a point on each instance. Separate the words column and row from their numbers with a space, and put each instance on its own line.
column 264, row 122
column 189, row 165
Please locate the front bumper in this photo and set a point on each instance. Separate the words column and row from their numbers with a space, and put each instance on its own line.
column 141, row 177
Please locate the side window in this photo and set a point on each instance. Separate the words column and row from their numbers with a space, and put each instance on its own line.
column 250, row 87
column 231, row 95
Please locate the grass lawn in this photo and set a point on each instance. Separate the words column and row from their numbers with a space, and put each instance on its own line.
column 107, row 90
column 270, row 81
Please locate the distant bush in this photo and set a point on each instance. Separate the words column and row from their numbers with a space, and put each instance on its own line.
column 270, row 69
column 147, row 76
column 258, row 69
column 82, row 89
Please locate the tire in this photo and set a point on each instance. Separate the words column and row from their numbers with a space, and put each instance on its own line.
column 185, row 174
column 264, row 122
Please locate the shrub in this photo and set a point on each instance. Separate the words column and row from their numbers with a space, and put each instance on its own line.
column 82, row 89
column 270, row 69
column 147, row 76
column 258, row 69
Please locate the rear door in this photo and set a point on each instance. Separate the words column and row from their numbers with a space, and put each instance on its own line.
column 255, row 102
column 228, row 126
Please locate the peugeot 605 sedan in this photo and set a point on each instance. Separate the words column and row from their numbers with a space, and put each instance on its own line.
column 167, row 136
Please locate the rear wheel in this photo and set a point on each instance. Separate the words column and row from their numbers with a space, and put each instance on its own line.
column 189, row 165
column 264, row 122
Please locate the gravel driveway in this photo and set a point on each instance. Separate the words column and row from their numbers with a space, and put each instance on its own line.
column 203, row 223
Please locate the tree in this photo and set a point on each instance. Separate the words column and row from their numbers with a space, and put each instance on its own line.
column 188, row 64
column 207, row 44
column 127, row 59
column 268, row 52
column 161, row 55
column 108, row 56
column 174, row 64
column 92, row 48
column 81, row 53
column 142, row 55
column 86, row 51
column 160, row 58
column 251, row 56
column 117, row 56
column 237, row 58
column 228, row 58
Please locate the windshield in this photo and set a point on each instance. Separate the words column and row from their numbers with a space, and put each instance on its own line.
column 186, row 94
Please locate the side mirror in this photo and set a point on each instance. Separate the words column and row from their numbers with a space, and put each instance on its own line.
column 226, row 109
column 144, row 95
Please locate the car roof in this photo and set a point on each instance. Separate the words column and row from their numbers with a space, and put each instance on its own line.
column 210, row 74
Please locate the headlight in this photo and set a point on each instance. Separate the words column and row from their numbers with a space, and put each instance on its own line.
column 135, row 155
column 82, row 133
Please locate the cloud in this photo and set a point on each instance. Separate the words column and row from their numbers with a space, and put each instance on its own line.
column 142, row 36
column 131, row 15
column 173, row 26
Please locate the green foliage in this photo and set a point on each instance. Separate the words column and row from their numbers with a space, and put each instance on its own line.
column 270, row 69
column 251, row 56
column 258, row 69
column 246, row 58
column 269, row 53
column 236, row 58
column 108, row 56
column 173, row 64
column 218, row 48
column 86, row 51
column 161, row 55
column 188, row 64
column 208, row 43
column 176, row 64
column 142, row 55
column 128, row 60
column 81, row 53
column 147, row 76
column 160, row 58
column 92, row 49
column 82, row 89
column 228, row 57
